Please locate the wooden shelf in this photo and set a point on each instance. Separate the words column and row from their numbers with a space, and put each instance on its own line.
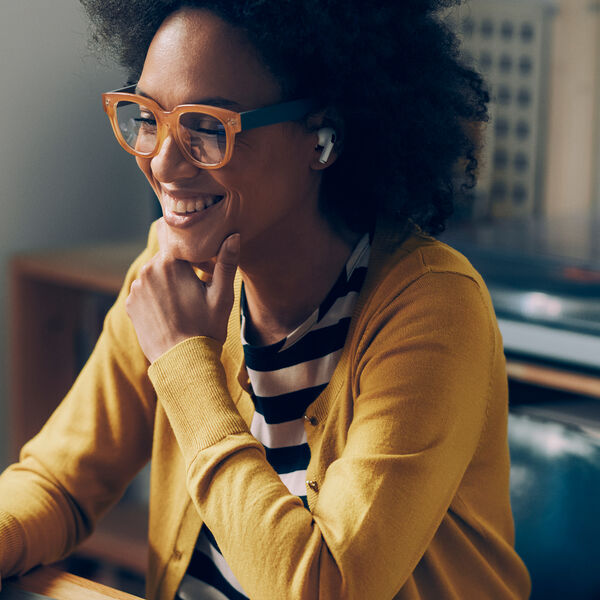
column 50, row 293
column 92, row 268
column 57, row 305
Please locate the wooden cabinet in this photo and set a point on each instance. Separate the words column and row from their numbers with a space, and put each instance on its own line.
column 57, row 306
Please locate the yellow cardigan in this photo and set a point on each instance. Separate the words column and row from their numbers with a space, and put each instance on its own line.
column 408, row 482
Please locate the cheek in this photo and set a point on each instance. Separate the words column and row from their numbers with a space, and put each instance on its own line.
column 144, row 165
column 265, row 161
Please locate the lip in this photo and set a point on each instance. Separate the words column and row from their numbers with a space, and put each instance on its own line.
column 182, row 221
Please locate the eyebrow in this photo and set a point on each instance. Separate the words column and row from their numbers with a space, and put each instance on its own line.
column 210, row 101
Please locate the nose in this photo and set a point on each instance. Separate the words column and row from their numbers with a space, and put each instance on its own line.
column 170, row 163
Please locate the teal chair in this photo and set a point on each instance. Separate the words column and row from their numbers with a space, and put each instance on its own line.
column 555, row 494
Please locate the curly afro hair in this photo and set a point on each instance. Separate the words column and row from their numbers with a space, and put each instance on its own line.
column 390, row 68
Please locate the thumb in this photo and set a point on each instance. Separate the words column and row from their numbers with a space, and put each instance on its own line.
column 226, row 266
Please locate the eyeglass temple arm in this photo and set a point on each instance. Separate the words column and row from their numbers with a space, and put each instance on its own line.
column 259, row 117
column 278, row 113
column 128, row 89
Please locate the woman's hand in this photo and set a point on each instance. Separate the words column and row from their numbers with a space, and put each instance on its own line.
column 168, row 304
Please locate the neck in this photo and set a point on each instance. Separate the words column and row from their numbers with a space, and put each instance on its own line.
column 289, row 275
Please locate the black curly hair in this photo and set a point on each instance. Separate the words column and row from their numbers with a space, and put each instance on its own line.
column 390, row 68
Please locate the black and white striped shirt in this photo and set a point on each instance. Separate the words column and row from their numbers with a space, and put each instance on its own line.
column 285, row 377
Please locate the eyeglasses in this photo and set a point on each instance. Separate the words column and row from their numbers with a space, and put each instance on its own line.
column 205, row 134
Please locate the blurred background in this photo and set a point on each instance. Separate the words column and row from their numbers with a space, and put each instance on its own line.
column 531, row 229
column 63, row 180
column 76, row 211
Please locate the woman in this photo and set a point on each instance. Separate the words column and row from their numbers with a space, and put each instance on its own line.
column 327, row 415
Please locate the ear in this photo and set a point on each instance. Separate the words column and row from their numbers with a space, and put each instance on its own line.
column 327, row 127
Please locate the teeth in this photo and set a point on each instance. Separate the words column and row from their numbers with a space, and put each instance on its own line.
column 189, row 206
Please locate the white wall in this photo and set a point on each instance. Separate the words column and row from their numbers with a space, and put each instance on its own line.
column 572, row 155
column 64, row 180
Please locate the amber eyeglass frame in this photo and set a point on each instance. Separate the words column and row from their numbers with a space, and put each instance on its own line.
column 233, row 122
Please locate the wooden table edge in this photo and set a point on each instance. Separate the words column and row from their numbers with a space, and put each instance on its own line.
column 60, row 585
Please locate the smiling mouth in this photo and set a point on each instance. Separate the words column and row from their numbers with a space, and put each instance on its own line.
column 186, row 207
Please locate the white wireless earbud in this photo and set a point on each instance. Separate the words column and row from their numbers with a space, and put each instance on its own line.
column 326, row 141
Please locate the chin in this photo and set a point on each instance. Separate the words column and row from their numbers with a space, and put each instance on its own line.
column 184, row 245
column 197, row 258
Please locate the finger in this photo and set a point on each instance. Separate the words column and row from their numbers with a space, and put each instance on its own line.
column 226, row 266
column 167, row 245
column 229, row 252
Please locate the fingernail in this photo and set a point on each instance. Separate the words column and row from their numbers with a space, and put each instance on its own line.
column 233, row 243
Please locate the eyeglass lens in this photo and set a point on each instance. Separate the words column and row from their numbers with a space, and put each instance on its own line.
column 203, row 136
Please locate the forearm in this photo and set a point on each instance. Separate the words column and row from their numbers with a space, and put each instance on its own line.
column 228, row 476
column 275, row 546
column 12, row 543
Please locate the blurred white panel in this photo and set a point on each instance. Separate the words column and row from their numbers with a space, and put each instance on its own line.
column 551, row 343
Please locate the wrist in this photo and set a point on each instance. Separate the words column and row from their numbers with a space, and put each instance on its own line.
column 191, row 386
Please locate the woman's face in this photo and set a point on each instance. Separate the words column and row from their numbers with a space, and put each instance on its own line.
column 269, row 189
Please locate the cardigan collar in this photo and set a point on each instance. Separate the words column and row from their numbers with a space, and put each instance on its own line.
column 389, row 236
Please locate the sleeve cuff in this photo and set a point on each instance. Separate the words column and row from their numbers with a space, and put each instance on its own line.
column 13, row 544
column 191, row 386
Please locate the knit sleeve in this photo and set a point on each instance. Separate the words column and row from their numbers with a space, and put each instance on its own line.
column 81, row 461
column 421, row 379
column 423, row 383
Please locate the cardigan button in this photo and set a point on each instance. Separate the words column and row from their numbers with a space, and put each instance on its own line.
column 313, row 485
column 312, row 420
column 177, row 554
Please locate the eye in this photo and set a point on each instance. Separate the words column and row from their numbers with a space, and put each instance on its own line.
column 208, row 131
column 197, row 123
column 146, row 118
column 146, row 125
column 208, row 128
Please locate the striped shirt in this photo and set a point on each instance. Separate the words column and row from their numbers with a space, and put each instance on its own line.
column 285, row 377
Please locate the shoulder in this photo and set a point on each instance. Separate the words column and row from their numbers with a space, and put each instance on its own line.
column 417, row 277
column 398, row 260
